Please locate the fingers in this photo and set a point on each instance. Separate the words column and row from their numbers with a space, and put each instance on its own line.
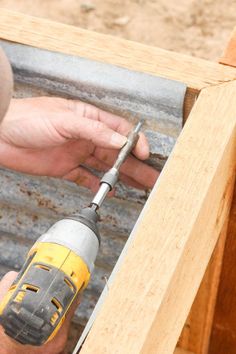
column 133, row 168
column 97, row 164
column 112, row 121
column 84, row 178
column 73, row 307
column 6, row 282
column 130, row 182
column 101, row 166
column 123, row 127
column 92, row 130
column 140, row 172
column 57, row 344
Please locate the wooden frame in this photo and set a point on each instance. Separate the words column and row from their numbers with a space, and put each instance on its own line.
column 187, row 212
column 195, row 73
column 176, row 234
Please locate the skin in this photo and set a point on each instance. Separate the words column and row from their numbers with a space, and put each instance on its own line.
column 59, row 138
column 54, row 137
column 6, row 85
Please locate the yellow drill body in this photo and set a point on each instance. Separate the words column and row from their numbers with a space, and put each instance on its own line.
column 46, row 256
column 57, row 268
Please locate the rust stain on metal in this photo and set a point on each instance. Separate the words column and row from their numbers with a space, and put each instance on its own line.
column 42, row 202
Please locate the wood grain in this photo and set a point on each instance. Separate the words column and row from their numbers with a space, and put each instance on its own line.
column 46, row 34
column 42, row 33
column 182, row 351
column 229, row 57
column 172, row 243
column 224, row 323
column 223, row 338
column 197, row 329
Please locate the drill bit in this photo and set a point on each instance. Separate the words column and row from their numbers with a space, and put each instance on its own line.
column 110, row 178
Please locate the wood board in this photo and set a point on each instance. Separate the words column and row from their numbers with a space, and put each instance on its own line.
column 195, row 73
column 223, row 333
column 182, row 351
column 158, row 280
column 223, row 337
column 198, row 327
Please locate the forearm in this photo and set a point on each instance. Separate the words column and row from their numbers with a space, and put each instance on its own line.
column 6, row 84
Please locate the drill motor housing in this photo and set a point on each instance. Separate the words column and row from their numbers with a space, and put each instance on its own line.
column 56, row 270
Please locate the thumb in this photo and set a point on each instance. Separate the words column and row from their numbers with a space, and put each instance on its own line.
column 6, row 282
column 95, row 131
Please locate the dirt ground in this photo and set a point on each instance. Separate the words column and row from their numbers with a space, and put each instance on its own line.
column 197, row 27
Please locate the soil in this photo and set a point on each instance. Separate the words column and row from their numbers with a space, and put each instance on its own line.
column 196, row 27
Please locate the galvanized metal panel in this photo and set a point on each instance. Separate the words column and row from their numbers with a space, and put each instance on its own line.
column 161, row 144
column 108, row 86
column 128, row 93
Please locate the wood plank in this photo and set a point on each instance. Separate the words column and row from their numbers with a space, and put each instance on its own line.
column 42, row 33
column 46, row 34
column 229, row 57
column 223, row 338
column 172, row 243
column 223, row 329
column 182, row 351
column 197, row 329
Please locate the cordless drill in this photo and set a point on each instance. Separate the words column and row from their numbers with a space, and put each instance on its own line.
column 58, row 267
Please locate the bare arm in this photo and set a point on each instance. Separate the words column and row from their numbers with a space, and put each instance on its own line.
column 6, row 84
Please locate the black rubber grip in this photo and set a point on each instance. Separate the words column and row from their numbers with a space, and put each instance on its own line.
column 47, row 293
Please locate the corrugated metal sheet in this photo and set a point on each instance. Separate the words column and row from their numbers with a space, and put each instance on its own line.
column 118, row 90
column 114, row 88
column 29, row 205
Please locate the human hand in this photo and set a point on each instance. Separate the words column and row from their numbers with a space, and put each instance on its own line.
column 55, row 346
column 55, row 136
column 6, row 86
